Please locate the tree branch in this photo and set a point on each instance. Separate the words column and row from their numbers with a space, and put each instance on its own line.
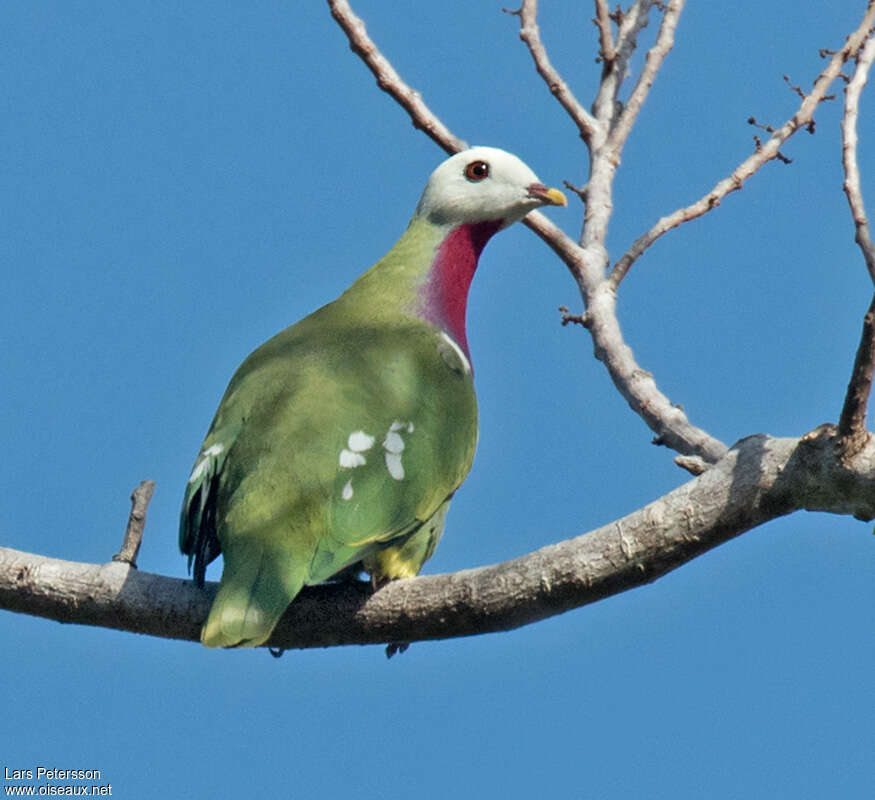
column 760, row 479
column 852, row 422
column 140, row 498
column 531, row 35
column 849, row 155
column 629, row 25
column 667, row 420
column 607, row 52
column 588, row 261
column 652, row 63
column 751, row 165
column 390, row 81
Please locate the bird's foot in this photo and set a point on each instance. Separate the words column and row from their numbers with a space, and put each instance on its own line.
column 396, row 647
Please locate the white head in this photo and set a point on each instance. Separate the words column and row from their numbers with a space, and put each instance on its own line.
column 484, row 183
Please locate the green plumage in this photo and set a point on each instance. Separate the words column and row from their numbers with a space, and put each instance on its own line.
column 340, row 441
column 284, row 485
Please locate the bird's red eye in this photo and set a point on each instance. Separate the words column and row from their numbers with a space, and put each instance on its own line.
column 477, row 171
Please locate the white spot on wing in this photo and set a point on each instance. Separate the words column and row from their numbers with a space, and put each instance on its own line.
column 349, row 459
column 458, row 350
column 394, row 465
column 393, row 443
column 359, row 441
column 198, row 470
column 200, row 467
column 346, row 494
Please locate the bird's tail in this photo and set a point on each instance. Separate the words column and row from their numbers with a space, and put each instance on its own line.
column 258, row 583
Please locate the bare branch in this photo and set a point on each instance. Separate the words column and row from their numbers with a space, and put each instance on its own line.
column 849, row 155
column 692, row 464
column 140, row 498
column 557, row 240
column 760, row 479
column 852, row 422
column 586, row 264
column 769, row 151
column 531, row 35
column 652, row 63
column 390, row 81
column 629, row 25
column 667, row 420
column 607, row 52
column 588, row 261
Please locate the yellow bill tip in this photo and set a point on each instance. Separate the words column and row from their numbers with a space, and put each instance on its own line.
column 547, row 195
column 556, row 197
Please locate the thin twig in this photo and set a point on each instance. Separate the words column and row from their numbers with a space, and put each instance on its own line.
column 629, row 24
column 852, row 422
column 849, row 155
column 607, row 51
column 531, row 35
column 140, row 498
column 390, row 81
column 568, row 318
column 605, row 159
column 652, row 63
column 769, row 151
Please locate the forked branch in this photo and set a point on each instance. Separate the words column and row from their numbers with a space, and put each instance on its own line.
column 652, row 64
column 586, row 263
column 852, row 422
column 751, row 165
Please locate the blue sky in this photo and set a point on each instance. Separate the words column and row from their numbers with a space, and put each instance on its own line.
column 182, row 181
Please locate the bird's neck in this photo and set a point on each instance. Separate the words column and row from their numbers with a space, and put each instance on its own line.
column 426, row 275
column 443, row 296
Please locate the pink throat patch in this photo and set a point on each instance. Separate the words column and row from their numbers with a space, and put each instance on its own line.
column 444, row 295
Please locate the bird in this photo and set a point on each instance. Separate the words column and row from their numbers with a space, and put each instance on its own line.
column 339, row 443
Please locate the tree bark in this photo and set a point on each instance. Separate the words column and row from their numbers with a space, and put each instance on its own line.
column 759, row 479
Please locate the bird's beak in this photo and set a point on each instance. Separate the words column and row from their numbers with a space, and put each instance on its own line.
column 552, row 197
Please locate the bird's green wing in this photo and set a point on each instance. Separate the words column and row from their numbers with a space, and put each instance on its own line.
column 329, row 447
column 197, row 521
column 400, row 456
